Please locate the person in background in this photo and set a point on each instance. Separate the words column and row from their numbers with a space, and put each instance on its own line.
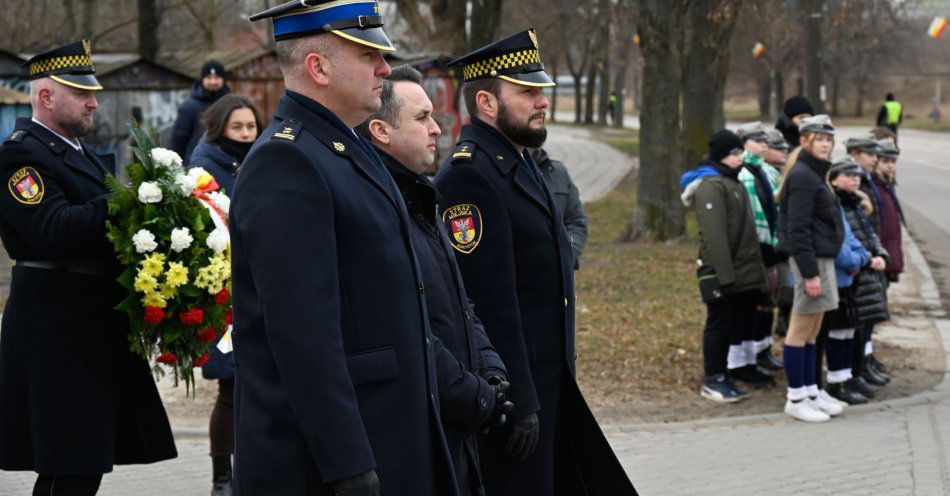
column 863, row 151
column 891, row 114
column 795, row 109
column 760, row 185
column 775, row 157
column 892, row 215
column 232, row 124
column 728, row 252
column 187, row 129
column 811, row 231
column 568, row 200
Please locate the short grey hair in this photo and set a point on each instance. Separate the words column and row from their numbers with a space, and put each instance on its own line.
column 291, row 53
column 390, row 102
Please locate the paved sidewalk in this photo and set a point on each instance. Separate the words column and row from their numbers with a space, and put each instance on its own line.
column 594, row 167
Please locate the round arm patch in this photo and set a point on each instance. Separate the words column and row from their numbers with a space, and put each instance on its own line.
column 26, row 186
column 464, row 224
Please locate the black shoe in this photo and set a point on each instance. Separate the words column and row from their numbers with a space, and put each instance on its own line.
column 877, row 366
column 766, row 360
column 221, row 489
column 842, row 392
column 752, row 375
column 873, row 377
column 861, row 386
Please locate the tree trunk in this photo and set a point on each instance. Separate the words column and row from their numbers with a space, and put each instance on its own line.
column 764, row 84
column 658, row 214
column 589, row 93
column 835, row 86
column 813, row 47
column 709, row 29
column 779, row 92
column 88, row 18
column 553, row 113
column 148, row 29
column 620, row 82
column 486, row 16
column 578, row 100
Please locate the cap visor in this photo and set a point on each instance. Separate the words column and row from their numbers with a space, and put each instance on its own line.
column 372, row 37
column 80, row 81
column 536, row 78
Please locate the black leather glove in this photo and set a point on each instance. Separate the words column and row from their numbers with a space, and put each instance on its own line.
column 523, row 438
column 365, row 484
column 499, row 415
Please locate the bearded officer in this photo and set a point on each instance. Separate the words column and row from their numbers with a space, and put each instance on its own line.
column 75, row 401
column 335, row 392
column 517, row 264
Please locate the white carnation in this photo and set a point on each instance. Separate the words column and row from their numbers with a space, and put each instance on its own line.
column 185, row 183
column 221, row 201
column 196, row 172
column 218, row 240
column 150, row 192
column 144, row 241
column 181, row 239
column 166, row 158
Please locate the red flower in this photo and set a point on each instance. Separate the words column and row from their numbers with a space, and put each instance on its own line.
column 203, row 359
column 227, row 317
column 207, row 335
column 167, row 358
column 192, row 317
column 153, row 315
column 222, row 297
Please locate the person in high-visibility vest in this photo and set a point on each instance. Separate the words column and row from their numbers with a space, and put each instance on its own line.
column 891, row 114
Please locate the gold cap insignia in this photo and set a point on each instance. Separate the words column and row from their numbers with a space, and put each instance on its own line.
column 340, row 147
column 534, row 37
column 87, row 47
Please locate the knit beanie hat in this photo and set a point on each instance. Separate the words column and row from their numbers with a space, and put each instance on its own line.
column 797, row 105
column 721, row 143
column 212, row 67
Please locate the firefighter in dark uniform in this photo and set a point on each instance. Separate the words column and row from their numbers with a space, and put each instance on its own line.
column 75, row 401
column 336, row 390
column 404, row 133
column 516, row 262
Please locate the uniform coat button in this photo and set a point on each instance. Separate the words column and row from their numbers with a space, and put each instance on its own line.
column 422, row 289
column 482, row 402
column 565, row 301
column 427, row 342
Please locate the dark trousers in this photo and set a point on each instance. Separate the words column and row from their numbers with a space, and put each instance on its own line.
column 67, row 485
column 728, row 321
column 821, row 345
column 861, row 336
column 221, row 429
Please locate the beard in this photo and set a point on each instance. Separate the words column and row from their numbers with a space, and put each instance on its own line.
column 76, row 126
column 521, row 133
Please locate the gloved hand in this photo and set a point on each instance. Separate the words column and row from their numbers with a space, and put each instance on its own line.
column 502, row 406
column 523, row 438
column 365, row 484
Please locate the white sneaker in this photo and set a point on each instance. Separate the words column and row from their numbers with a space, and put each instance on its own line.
column 831, row 399
column 828, row 407
column 805, row 411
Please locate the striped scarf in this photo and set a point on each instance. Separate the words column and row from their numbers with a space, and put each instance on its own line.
column 762, row 229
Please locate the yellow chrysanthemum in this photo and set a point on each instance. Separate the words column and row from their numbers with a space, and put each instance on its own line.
column 154, row 264
column 154, row 300
column 145, row 282
column 177, row 275
column 169, row 292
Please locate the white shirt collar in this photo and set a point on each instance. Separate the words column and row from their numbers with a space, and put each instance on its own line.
column 73, row 143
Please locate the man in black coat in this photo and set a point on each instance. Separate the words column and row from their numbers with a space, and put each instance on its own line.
column 472, row 376
column 335, row 392
column 568, row 199
column 75, row 401
column 517, row 264
column 187, row 130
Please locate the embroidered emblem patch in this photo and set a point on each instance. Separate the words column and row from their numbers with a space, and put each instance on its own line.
column 464, row 223
column 26, row 186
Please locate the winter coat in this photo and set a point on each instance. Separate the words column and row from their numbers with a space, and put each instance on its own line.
column 188, row 129
column 810, row 225
column 788, row 129
column 568, row 201
column 217, row 162
column 869, row 291
column 721, row 203
column 890, row 229
column 849, row 261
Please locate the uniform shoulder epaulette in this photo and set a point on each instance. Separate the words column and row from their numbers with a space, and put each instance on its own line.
column 288, row 130
column 17, row 136
column 463, row 152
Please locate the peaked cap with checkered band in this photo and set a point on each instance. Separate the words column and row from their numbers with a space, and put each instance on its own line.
column 515, row 59
column 69, row 64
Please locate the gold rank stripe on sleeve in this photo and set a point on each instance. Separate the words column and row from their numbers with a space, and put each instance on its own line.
column 506, row 61
column 56, row 63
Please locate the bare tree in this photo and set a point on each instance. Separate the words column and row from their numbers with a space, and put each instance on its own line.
column 440, row 24
column 148, row 21
column 486, row 16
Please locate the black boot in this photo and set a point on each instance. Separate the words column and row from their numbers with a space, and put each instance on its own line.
column 844, row 393
column 768, row 361
column 861, row 386
column 878, row 367
column 752, row 375
column 221, row 478
column 870, row 375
